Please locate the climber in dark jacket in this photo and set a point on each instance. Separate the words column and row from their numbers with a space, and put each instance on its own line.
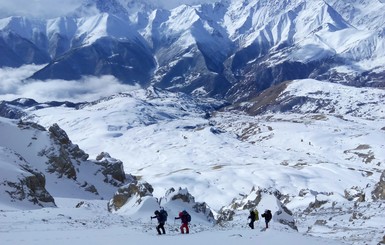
column 161, row 222
column 268, row 216
column 252, row 219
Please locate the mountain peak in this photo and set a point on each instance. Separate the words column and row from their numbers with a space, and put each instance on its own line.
column 211, row 49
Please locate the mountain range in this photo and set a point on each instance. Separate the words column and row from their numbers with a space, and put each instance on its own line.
column 228, row 49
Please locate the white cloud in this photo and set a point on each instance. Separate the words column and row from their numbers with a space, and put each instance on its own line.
column 169, row 4
column 14, row 85
column 37, row 8
column 55, row 8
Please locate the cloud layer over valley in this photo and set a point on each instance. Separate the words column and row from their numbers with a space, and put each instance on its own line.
column 14, row 84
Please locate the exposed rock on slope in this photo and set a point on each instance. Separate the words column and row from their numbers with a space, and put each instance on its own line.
column 132, row 193
column 187, row 202
column 22, row 183
column 61, row 159
column 379, row 191
column 48, row 160
column 112, row 169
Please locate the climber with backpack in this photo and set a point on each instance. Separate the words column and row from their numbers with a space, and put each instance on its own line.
column 268, row 216
column 185, row 218
column 161, row 216
column 254, row 216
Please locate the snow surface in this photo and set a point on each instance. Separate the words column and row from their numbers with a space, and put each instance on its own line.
column 172, row 145
column 92, row 224
column 165, row 139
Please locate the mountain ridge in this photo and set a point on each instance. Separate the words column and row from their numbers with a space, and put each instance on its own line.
column 227, row 49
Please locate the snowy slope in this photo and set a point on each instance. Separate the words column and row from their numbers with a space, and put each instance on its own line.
column 15, row 171
column 90, row 224
column 134, row 128
column 328, row 151
column 77, row 221
column 61, row 169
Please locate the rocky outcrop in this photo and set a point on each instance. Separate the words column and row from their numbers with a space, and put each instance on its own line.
column 63, row 155
column 51, row 152
column 355, row 194
column 37, row 192
column 379, row 191
column 9, row 111
column 182, row 195
column 30, row 125
column 30, row 186
column 111, row 168
column 383, row 240
column 134, row 191
column 188, row 200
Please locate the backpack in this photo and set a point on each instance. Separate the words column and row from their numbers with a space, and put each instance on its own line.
column 187, row 215
column 163, row 214
column 269, row 215
column 256, row 214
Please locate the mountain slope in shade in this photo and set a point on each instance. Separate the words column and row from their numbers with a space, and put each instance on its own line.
column 226, row 49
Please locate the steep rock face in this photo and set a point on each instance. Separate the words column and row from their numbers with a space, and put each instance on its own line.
column 62, row 160
column 32, row 189
column 36, row 184
column 379, row 191
column 128, row 61
column 21, row 182
column 112, row 169
column 17, row 51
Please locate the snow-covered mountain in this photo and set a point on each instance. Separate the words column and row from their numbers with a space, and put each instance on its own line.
column 220, row 49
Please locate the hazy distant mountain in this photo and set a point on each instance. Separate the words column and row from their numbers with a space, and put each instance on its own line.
column 227, row 49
